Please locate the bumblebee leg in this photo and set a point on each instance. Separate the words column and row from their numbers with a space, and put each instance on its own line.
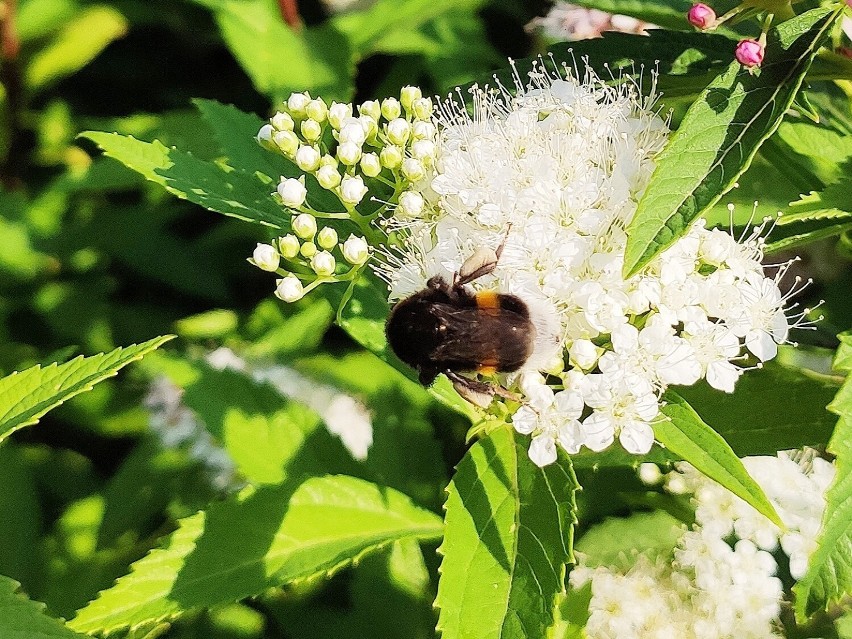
column 479, row 393
column 481, row 263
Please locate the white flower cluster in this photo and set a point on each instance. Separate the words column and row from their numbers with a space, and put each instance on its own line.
column 389, row 143
column 556, row 171
column 178, row 426
column 712, row 589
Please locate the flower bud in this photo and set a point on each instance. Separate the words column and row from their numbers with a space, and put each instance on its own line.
column 264, row 137
column 304, row 225
column 328, row 176
column 308, row 250
column 352, row 132
column 391, row 108
column 701, row 16
column 323, row 263
column 371, row 108
column 292, row 191
column 311, row 130
column 422, row 108
column 411, row 203
column 349, row 153
column 282, row 121
column 391, row 156
column 398, row 131
column 288, row 246
column 289, row 289
column 266, row 257
column 317, row 110
column 408, row 95
column 370, row 165
column 356, row 250
column 424, row 150
column 422, row 130
column 413, row 169
column 287, row 141
column 297, row 102
column 328, row 160
column 749, row 53
column 584, row 354
column 370, row 127
column 307, row 158
column 338, row 114
column 327, row 238
column 352, row 189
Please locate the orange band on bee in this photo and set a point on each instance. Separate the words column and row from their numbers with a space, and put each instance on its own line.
column 488, row 367
column 488, row 300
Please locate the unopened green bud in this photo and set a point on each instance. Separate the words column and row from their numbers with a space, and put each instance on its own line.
column 304, row 225
column 370, row 165
column 308, row 250
column 408, row 95
column 327, row 238
column 317, row 110
column 391, row 156
column 311, row 130
column 282, row 121
column 371, row 108
column 288, row 246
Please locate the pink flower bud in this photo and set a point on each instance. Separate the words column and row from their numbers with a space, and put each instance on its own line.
column 701, row 16
column 749, row 53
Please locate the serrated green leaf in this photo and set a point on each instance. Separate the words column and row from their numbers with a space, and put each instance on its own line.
column 687, row 436
column 720, row 135
column 819, row 150
column 832, row 203
column 21, row 618
column 796, row 235
column 509, row 533
column 829, row 575
column 271, row 536
column 26, row 396
column 218, row 188
column 82, row 38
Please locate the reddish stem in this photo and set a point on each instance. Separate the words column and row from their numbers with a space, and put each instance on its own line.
column 290, row 13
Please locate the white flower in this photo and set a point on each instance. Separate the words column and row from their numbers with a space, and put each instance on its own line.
column 356, row 250
column 760, row 318
column 411, row 203
column 553, row 420
column 289, row 289
column 349, row 153
column 714, row 345
column 352, row 189
column 619, row 410
column 338, row 114
column 398, row 131
column 328, row 176
column 265, row 257
column 297, row 102
column 264, row 136
column 292, row 191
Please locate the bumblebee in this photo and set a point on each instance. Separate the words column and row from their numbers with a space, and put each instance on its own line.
column 448, row 328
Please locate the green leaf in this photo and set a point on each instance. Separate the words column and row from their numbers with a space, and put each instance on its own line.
column 26, row 396
column 509, row 534
column 82, row 38
column 218, row 188
column 271, row 536
column 832, row 203
column 279, row 59
column 687, row 436
column 20, row 518
column 607, row 543
column 795, row 235
column 821, row 151
column 366, row 30
column 829, row 576
column 21, row 618
column 720, row 135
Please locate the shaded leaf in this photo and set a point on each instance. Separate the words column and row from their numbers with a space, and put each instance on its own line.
column 654, row 533
column 259, row 539
column 509, row 534
column 26, row 396
column 21, row 618
column 720, row 135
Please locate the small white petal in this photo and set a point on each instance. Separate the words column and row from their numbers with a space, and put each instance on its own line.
column 543, row 450
column 637, row 437
column 723, row 376
column 761, row 344
column 525, row 420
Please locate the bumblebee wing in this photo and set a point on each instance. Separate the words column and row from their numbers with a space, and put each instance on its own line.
column 460, row 343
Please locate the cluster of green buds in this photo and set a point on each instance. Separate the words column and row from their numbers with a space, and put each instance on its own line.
column 379, row 147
